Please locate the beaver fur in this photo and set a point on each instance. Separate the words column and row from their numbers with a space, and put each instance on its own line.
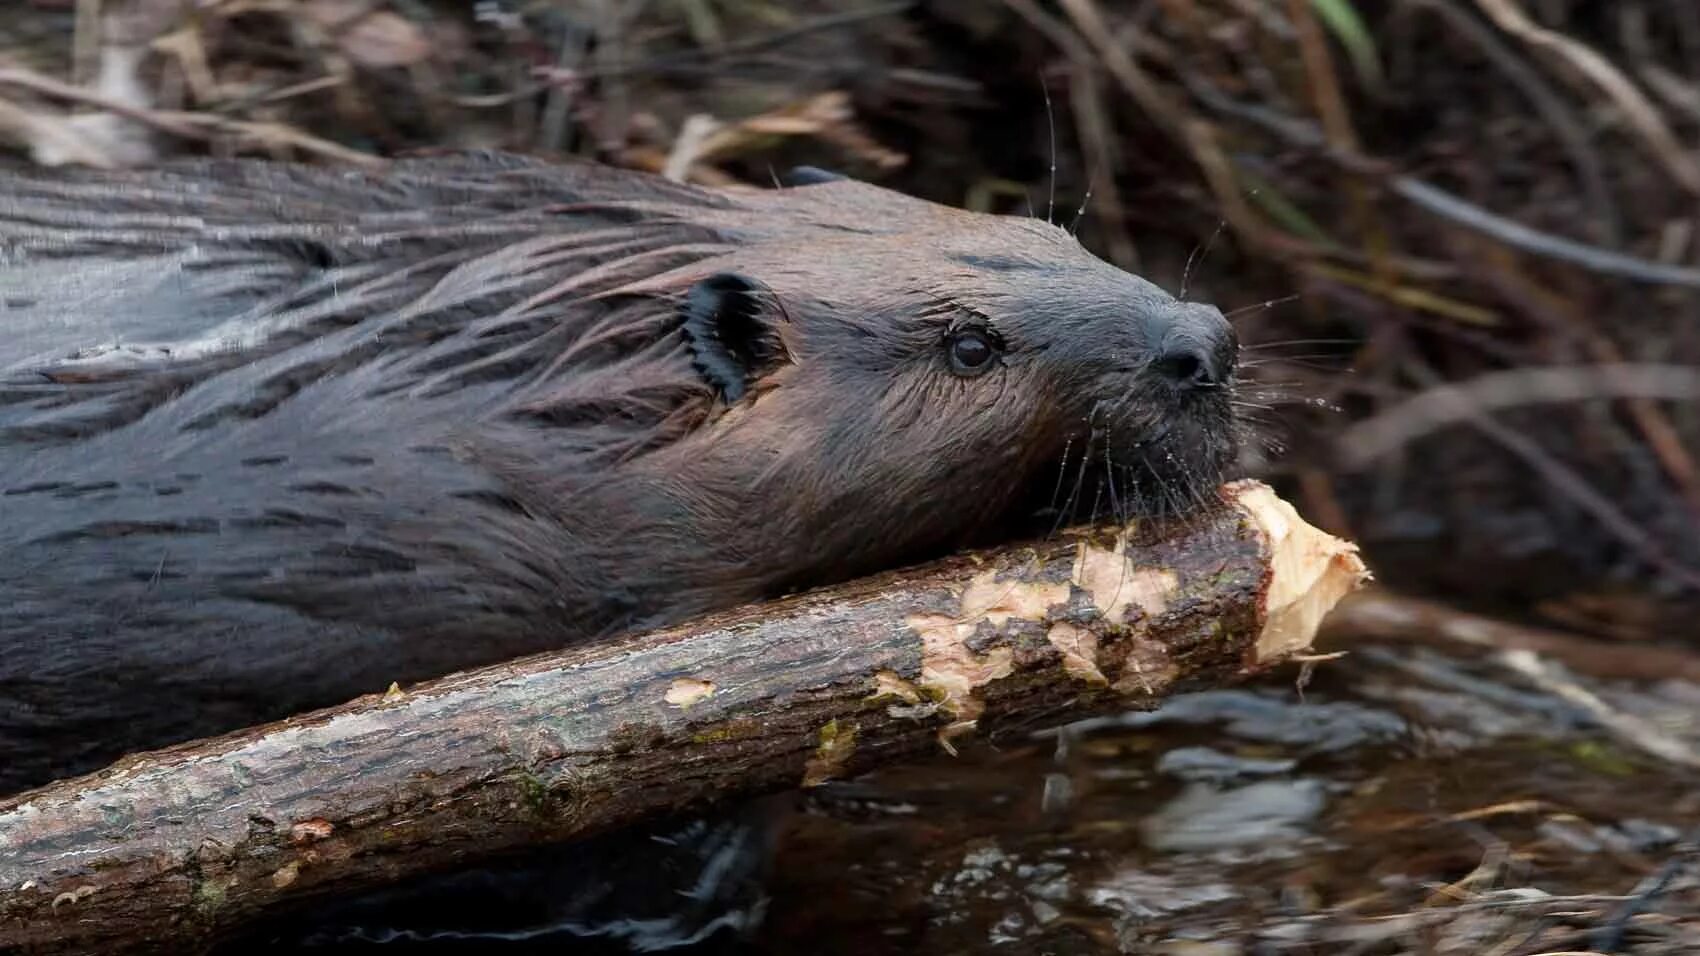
column 274, row 436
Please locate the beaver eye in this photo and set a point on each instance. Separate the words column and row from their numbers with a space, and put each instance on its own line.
column 971, row 352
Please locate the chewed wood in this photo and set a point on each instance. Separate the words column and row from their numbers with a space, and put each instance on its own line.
column 163, row 851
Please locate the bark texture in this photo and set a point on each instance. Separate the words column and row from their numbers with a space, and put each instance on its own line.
column 164, row 851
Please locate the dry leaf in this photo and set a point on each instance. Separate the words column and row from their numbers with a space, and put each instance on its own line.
column 378, row 40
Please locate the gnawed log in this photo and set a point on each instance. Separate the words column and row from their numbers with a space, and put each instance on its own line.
column 165, row 850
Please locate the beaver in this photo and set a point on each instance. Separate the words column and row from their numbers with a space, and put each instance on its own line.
column 273, row 436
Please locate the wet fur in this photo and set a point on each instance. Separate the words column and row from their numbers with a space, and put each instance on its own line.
column 275, row 436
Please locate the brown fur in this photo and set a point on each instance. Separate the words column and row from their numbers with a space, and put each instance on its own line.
column 274, row 436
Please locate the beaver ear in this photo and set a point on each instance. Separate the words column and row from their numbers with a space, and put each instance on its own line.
column 729, row 323
column 811, row 176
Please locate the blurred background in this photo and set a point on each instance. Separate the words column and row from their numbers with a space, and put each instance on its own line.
column 1458, row 239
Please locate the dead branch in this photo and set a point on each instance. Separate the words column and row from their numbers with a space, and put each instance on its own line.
column 1596, row 70
column 1377, row 615
column 1452, row 403
column 203, row 126
column 164, row 851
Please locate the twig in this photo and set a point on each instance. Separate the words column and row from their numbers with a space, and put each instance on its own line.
column 1677, row 92
column 1627, row 727
column 1597, row 70
column 688, row 146
column 686, row 58
column 1330, row 105
column 86, row 41
column 1528, row 239
column 202, row 126
column 1411, row 297
column 1300, row 132
column 50, row 133
column 1551, row 108
column 1503, row 273
column 1570, row 484
column 1454, row 402
column 1609, row 937
column 1197, row 135
column 1092, row 26
column 1380, row 615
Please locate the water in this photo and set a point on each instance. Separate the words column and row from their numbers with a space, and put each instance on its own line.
column 1406, row 801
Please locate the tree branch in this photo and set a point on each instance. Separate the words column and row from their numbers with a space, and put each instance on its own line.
column 164, row 851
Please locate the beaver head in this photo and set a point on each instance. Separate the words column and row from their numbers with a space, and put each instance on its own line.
column 254, row 414
column 887, row 377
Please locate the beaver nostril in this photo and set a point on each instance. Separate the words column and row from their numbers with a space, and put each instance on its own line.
column 1196, row 348
column 1189, row 367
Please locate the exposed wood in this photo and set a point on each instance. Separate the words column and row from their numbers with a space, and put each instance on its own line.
column 165, row 850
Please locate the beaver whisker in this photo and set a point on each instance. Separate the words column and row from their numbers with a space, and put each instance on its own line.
column 1272, row 399
column 1261, row 306
column 1186, row 270
column 1068, row 512
column 1294, row 343
column 1062, row 470
column 1121, row 515
column 1172, row 495
column 1074, row 227
column 1106, row 481
column 1051, row 127
column 1308, row 360
column 1199, row 495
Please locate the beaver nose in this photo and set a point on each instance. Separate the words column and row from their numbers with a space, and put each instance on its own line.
column 1199, row 351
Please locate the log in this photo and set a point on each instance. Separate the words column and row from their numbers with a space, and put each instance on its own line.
column 163, row 852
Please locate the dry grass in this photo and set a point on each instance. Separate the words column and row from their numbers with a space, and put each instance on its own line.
column 1487, row 208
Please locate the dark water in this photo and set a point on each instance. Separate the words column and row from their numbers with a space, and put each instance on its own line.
column 1405, row 802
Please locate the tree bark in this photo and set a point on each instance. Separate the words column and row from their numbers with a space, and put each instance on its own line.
column 164, row 851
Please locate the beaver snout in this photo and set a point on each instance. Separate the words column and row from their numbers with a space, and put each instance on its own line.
column 1196, row 347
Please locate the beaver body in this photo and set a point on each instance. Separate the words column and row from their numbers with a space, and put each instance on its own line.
column 273, row 436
